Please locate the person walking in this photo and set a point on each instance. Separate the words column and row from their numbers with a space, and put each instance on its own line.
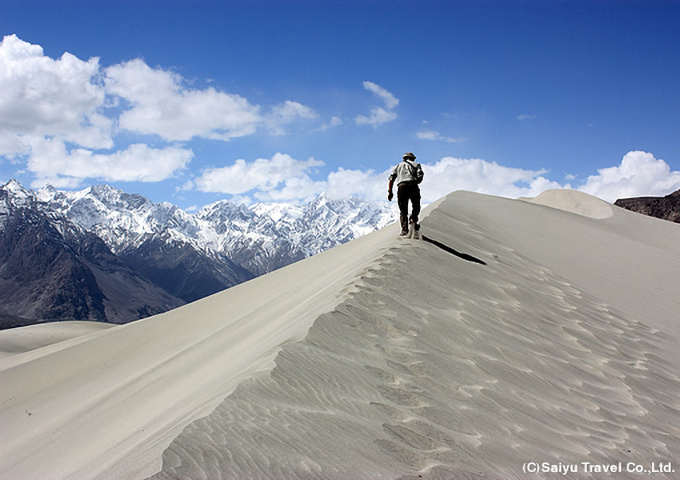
column 408, row 174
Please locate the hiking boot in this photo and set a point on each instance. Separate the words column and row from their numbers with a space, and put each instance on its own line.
column 403, row 233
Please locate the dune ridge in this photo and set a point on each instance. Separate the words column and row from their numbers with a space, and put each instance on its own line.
column 434, row 367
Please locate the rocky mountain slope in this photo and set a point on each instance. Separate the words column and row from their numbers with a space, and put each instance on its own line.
column 666, row 208
column 53, row 269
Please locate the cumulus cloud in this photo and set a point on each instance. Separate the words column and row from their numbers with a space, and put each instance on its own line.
column 52, row 163
column 264, row 175
column 161, row 104
column 476, row 175
column 285, row 179
column 40, row 96
column 356, row 183
column 639, row 174
column 379, row 115
column 73, row 109
column 297, row 189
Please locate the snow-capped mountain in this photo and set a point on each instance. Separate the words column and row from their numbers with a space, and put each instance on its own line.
column 53, row 269
column 194, row 255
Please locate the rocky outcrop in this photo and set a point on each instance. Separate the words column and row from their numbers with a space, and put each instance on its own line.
column 666, row 208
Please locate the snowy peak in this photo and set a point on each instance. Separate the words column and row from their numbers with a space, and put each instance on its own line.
column 278, row 211
column 225, row 216
column 16, row 189
column 15, row 195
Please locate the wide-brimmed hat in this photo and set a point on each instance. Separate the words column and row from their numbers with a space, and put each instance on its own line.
column 409, row 155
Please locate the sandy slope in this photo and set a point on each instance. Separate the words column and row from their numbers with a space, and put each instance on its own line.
column 384, row 359
column 34, row 337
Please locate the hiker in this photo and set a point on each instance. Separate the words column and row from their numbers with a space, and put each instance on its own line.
column 408, row 174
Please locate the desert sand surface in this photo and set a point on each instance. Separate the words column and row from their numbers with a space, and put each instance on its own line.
column 385, row 358
column 34, row 337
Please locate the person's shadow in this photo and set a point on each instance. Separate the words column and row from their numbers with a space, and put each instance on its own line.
column 450, row 250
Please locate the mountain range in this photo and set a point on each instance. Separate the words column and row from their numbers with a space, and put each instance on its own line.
column 105, row 255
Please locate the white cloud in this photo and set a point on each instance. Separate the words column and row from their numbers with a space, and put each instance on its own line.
column 476, row 175
column 379, row 115
column 56, row 113
column 40, row 97
column 334, row 122
column 427, row 135
column 287, row 113
column 52, row 163
column 358, row 183
column 390, row 100
column 296, row 189
column 263, row 174
column 283, row 178
column 436, row 136
column 526, row 117
column 639, row 174
column 162, row 105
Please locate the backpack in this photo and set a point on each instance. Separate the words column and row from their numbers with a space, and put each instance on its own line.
column 416, row 172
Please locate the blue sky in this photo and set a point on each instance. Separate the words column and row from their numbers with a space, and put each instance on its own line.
column 194, row 101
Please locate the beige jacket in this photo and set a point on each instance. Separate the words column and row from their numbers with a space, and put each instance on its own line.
column 406, row 171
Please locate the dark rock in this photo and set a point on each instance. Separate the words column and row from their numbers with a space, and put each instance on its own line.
column 666, row 208
column 42, row 276
column 183, row 271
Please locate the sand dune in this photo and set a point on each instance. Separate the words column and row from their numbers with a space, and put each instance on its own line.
column 385, row 358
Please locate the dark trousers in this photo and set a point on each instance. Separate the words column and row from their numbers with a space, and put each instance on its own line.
column 408, row 191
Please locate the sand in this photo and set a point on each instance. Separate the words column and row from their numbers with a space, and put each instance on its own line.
column 33, row 337
column 384, row 358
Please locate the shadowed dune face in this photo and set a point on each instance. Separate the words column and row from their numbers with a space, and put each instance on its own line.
column 437, row 367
